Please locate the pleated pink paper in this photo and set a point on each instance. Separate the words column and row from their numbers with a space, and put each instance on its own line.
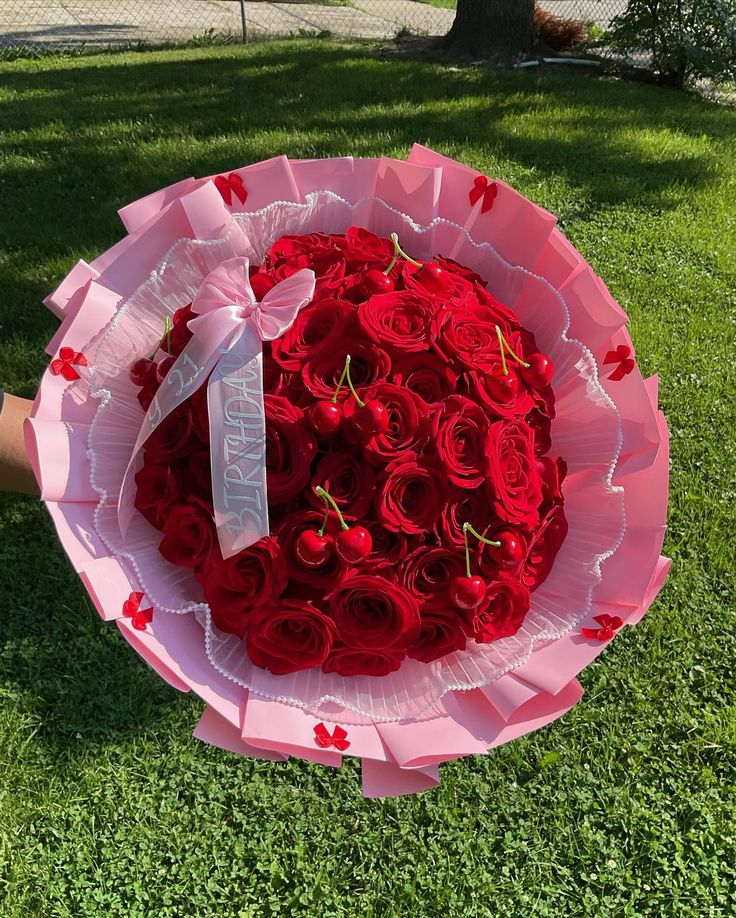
column 608, row 429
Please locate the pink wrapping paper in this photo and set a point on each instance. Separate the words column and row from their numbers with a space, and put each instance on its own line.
column 400, row 755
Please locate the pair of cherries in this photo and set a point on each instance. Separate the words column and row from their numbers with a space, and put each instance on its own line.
column 468, row 592
column 536, row 371
column 352, row 543
column 368, row 420
column 430, row 275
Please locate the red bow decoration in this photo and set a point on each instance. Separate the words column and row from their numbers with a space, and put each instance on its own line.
column 132, row 609
column 621, row 356
column 229, row 185
column 482, row 188
column 64, row 364
column 338, row 739
column 609, row 626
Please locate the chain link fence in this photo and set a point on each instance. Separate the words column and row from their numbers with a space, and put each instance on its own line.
column 47, row 25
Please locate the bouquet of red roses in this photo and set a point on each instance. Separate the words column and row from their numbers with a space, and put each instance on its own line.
column 367, row 463
column 407, row 412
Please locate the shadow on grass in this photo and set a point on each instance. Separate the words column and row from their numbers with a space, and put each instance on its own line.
column 87, row 138
column 73, row 675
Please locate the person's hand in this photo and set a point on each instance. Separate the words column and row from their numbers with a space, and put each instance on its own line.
column 16, row 473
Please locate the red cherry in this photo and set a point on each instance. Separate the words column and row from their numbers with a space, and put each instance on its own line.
column 354, row 544
column 432, row 277
column 502, row 389
column 511, row 551
column 139, row 371
column 372, row 419
column 467, row 592
column 312, row 549
column 163, row 368
column 375, row 281
column 539, row 372
column 325, row 418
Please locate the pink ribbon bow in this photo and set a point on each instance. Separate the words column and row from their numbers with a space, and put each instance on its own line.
column 229, row 185
column 621, row 356
column 338, row 738
column 482, row 188
column 227, row 347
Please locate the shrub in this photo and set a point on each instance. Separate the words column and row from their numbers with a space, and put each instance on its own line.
column 557, row 33
column 686, row 38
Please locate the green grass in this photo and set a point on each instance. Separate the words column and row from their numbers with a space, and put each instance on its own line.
column 625, row 807
column 447, row 4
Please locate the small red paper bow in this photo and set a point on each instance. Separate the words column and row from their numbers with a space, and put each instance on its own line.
column 609, row 626
column 229, row 185
column 132, row 609
column 64, row 364
column 621, row 356
column 338, row 738
column 482, row 188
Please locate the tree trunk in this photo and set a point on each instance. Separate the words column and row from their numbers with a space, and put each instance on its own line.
column 498, row 30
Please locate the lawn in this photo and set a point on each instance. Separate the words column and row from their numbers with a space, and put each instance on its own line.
column 624, row 807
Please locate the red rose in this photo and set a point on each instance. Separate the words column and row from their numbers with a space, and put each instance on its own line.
column 456, row 288
column 236, row 587
column 348, row 479
column 389, row 547
column 291, row 637
column 290, row 448
column 363, row 249
column 173, row 436
column 289, row 530
column 194, row 473
column 349, row 662
column 541, row 424
column 502, row 395
column 461, row 434
column 410, row 496
column 189, row 534
column 315, row 327
column 427, row 574
column 320, row 252
column 552, row 473
column 545, row 545
column 463, row 505
column 260, row 281
column 441, row 633
column 407, row 424
column 401, row 320
column 454, row 267
column 513, row 480
column 502, row 613
column 157, row 491
column 180, row 336
column 465, row 334
column 369, row 365
column 426, row 375
column 494, row 311
column 373, row 613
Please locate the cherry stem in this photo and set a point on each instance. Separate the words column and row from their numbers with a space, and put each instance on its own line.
column 324, row 521
column 399, row 252
column 343, row 376
column 166, row 337
column 467, row 528
column 329, row 502
column 505, row 346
